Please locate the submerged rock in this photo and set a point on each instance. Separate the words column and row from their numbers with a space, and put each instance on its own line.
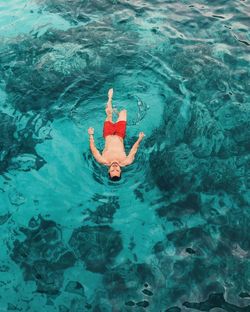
column 123, row 281
column 216, row 301
column 75, row 288
column 173, row 309
column 64, row 67
column 78, row 11
column 97, row 246
column 104, row 212
column 18, row 145
column 42, row 255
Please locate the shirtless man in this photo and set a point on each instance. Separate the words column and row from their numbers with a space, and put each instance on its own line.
column 114, row 155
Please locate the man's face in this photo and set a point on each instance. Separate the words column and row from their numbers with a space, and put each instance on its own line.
column 114, row 170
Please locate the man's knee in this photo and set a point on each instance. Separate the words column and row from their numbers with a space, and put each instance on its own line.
column 109, row 117
column 123, row 115
column 123, row 112
column 108, row 111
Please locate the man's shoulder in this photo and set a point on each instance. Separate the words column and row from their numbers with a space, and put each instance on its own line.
column 101, row 160
column 104, row 161
column 127, row 161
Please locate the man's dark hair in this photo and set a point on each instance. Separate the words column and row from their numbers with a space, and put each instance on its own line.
column 115, row 178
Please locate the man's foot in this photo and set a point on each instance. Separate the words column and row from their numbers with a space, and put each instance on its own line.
column 110, row 93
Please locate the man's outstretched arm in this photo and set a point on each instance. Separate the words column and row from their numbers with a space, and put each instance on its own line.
column 94, row 150
column 131, row 156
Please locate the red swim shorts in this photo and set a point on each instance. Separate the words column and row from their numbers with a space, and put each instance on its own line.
column 118, row 128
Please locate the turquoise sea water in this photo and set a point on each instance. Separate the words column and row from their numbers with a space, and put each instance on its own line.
column 173, row 234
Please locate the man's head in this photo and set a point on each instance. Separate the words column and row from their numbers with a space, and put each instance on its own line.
column 115, row 171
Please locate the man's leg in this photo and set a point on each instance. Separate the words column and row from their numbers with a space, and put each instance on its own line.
column 108, row 127
column 120, row 126
column 122, row 115
column 109, row 110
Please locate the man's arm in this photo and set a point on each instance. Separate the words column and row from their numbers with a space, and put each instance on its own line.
column 94, row 150
column 131, row 156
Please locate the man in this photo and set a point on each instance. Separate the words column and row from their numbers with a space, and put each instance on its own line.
column 114, row 155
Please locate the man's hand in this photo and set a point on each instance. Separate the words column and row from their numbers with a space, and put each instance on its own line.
column 110, row 93
column 141, row 135
column 91, row 131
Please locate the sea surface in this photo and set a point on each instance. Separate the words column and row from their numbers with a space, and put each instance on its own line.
column 173, row 234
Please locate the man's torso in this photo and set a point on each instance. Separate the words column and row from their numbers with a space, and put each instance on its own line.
column 114, row 150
